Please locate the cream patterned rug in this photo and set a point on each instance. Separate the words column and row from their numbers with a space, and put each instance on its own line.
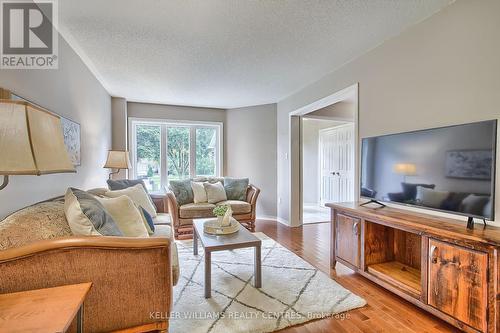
column 292, row 292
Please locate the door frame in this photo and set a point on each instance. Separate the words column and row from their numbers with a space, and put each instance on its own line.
column 295, row 147
column 320, row 153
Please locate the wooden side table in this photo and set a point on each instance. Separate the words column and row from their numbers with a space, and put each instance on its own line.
column 43, row 310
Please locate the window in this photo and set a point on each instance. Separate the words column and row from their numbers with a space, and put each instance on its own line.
column 164, row 151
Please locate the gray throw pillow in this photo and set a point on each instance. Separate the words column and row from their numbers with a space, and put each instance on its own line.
column 182, row 191
column 86, row 215
column 236, row 188
column 121, row 184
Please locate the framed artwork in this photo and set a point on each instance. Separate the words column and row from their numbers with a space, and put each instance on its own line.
column 469, row 164
column 71, row 133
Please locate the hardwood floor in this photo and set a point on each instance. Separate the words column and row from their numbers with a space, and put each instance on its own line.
column 385, row 312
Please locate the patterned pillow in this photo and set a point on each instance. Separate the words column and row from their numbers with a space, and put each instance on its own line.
column 236, row 188
column 87, row 216
column 182, row 191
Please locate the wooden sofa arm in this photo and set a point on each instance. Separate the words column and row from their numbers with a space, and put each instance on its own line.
column 252, row 195
column 173, row 208
column 131, row 277
column 160, row 201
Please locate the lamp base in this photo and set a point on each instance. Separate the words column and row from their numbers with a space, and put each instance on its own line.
column 113, row 173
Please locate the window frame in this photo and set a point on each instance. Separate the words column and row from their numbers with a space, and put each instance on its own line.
column 164, row 124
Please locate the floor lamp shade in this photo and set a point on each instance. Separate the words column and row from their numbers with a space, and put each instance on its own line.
column 31, row 141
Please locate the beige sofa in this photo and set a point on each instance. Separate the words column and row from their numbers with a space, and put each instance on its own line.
column 182, row 215
column 131, row 277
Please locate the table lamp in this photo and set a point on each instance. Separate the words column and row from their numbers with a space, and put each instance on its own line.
column 117, row 159
column 31, row 141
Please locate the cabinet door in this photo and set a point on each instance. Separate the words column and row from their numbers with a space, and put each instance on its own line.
column 348, row 239
column 458, row 282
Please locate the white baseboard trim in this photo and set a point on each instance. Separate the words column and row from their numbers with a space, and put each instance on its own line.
column 283, row 221
column 267, row 217
column 274, row 218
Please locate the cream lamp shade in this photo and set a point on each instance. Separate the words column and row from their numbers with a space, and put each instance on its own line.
column 118, row 159
column 31, row 141
column 407, row 169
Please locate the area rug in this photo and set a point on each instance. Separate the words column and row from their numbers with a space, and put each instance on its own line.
column 292, row 292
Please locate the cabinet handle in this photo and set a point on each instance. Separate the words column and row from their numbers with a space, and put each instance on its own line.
column 355, row 228
column 431, row 254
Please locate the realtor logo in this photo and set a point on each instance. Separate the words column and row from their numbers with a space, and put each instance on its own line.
column 29, row 38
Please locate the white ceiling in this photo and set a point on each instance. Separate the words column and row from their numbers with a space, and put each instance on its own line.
column 227, row 53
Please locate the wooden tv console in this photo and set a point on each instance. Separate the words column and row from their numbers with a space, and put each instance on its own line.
column 433, row 262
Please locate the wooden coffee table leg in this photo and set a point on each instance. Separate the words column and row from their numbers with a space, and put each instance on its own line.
column 258, row 268
column 208, row 273
column 195, row 243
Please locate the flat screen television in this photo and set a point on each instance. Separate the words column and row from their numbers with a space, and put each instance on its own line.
column 450, row 169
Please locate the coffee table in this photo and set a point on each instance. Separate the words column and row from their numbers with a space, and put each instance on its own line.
column 211, row 243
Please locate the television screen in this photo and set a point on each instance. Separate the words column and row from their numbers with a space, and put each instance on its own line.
column 450, row 169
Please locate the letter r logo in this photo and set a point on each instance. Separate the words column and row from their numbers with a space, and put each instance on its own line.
column 27, row 27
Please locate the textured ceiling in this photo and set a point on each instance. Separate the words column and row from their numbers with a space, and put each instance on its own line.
column 227, row 53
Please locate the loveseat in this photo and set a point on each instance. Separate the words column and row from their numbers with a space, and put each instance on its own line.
column 182, row 215
column 131, row 277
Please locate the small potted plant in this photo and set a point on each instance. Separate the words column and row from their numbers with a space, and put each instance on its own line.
column 221, row 211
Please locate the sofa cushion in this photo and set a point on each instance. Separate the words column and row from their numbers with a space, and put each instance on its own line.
column 474, row 204
column 121, row 184
column 182, row 191
column 138, row 195
column 236, row 188
column 41, row 221
column 431, row 198
column 410, row 190
column 211, row 180
column 163, row 231
column 238, row 207
column 87, row 216
column 199, row 193
column 190, row 211
column 166, row 231
column 147, row 220
column 215, row 192
column 162, row 218
column 126, row 215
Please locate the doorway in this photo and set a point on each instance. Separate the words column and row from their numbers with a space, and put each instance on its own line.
column 324, row 156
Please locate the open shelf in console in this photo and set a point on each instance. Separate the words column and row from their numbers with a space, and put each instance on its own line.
column 394, row 256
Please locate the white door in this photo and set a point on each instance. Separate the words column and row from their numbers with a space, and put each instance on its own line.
column 336, row 147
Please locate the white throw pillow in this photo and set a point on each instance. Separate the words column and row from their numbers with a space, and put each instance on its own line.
column 215, row 192
column 431, row 198
column 200, row 195
column 126, row 216
column 138, row 196
column 87, row 216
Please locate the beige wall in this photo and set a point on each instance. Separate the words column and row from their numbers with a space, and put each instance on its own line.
column 73, row 92
column 173, row 112
column 119, row 135
column 442, row 71
column 251, row 151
